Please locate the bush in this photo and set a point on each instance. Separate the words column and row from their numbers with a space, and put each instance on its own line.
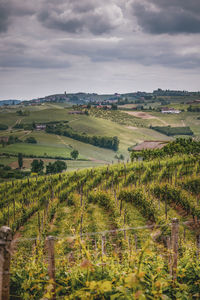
column 168, row 130
column 56, row 167
column 3, row 127
column 31, row 140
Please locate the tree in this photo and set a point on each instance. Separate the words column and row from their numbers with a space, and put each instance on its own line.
column 20, row 160
column 33, row 125
column 31, row 140
column 74, row 154
column 114, row 106
column 56, row 167
column 115, row 143
column 121, row 157
column 37, row 166
column 3, row 127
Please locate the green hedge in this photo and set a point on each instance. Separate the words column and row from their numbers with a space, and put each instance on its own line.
column 168, row 130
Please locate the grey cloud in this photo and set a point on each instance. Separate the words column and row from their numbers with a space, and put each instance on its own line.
column 12, row 8
column 96, row 17
column 172, row 17
column 18, row 55
column 192, row 5
column 157, row 53
column 4, row 16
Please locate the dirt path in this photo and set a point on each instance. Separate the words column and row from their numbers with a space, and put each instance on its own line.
column 26, row 133
column 145, row 116
column 63, row 142
column 17, row 122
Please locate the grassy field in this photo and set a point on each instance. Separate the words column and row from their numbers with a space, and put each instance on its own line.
column 71, row 164
column 130, row 129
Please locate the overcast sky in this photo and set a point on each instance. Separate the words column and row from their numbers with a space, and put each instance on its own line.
column 103, row 46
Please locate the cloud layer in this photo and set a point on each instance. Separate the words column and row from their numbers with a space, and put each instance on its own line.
column 171, row 16
column 66, row 42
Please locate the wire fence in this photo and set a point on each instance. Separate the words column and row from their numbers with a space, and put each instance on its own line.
column 153, row 226
column 53, row 259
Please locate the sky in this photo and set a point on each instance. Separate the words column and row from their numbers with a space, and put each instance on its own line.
column 101, row 46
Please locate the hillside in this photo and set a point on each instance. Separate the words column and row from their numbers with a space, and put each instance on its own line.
column 111, row 229
column 129, row 126
column 54, row 145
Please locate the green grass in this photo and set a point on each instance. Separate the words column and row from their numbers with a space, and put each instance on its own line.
column 35, row 149
column 7, row 160
column 129, row 129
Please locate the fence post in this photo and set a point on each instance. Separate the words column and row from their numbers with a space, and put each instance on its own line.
column 5, row 256
column 120, row 209
column 125, row 212
column 165, row 208
column 174, row 247
column 103, row 240
column 198, row 245
column 136, row 242
column 51, row 263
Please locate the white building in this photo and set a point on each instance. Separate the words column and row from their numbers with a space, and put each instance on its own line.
column 170, row 111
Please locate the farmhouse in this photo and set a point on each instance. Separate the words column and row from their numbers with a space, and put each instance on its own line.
column 166, row 110
column 149, row 145
column 40, row 127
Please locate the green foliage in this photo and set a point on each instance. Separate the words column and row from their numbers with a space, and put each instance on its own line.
column 74, row 154
column 114, row 106
column 13, row 139
column 179, row 146
column 20, row 160
column 56, row 167
column 119, row 117
column 99, row 141
column 194, row 108
column 3, row 127
column 31, row 140
column 168, row 130
column 7, row 173
column 72, row 205
column 22, row 112
column 37, row 166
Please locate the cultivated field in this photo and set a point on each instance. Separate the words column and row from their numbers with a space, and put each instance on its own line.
column 131, row 127
column 112, row 236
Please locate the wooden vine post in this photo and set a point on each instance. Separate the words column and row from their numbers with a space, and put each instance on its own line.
column 198, row 245
column 174, row 247
column 103, row 246
column 136, row 242
column 51, row 264
column 125, row 212
column 5, row 256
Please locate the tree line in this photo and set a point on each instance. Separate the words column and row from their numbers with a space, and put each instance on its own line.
column 170, row 131
column 99, row 141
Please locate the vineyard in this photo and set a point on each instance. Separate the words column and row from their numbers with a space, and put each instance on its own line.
column 122, row 231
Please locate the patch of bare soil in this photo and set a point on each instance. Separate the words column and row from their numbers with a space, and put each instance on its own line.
column 139, row 114
column 145, row 116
